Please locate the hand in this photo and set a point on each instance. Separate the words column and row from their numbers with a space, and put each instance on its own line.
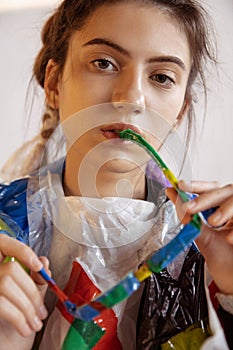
column 21, row 295
column 216, row 245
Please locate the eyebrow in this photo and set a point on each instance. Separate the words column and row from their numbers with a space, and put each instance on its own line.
column 164, row 58
column 99, row 41
column 172, row 59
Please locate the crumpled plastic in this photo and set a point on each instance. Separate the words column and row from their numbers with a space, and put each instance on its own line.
column 11, row 198
column 100, row 234
column 169, row 306
column 56, row 222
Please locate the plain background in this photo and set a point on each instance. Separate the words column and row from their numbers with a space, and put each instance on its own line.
column 211, row 156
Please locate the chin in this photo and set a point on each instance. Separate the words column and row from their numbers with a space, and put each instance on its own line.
column 121, row 166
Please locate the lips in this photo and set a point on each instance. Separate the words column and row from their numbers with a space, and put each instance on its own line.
column 111, row 131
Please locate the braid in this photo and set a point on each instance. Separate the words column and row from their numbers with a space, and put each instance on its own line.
column 31, row 155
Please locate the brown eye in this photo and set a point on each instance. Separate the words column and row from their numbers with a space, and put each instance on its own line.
column 162, row 79
column 104, row 64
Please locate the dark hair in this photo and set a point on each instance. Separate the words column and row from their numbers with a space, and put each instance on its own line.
column 72, row 14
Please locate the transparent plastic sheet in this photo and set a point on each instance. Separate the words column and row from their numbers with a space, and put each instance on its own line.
column 13, row 198
column 103, row 257
column 86, row 334
column 10, row 228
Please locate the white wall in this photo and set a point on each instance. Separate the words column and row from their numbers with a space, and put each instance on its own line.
column 20, row 40
column 212, row 157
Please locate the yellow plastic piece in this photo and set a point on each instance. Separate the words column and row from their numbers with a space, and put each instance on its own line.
column 142, row 273
column 5, row 227
column 171, row 178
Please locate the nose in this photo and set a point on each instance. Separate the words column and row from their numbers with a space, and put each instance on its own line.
column 128, row 95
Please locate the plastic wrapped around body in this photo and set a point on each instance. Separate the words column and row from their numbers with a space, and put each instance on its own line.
column 74, row 230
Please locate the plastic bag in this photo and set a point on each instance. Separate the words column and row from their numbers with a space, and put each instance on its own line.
column 169, row 306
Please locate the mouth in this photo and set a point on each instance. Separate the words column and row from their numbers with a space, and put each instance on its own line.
column 112, row 131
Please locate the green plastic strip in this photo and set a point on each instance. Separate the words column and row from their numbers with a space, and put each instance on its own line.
column 82, row 335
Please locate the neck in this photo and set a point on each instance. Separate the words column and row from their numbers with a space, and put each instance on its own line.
column 106, row 182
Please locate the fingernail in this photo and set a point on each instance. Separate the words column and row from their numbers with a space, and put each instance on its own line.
column 216, row 217
column 186, row 184
column 36, row 263
column 43, row 312
column 192, row 204
column 37, row 324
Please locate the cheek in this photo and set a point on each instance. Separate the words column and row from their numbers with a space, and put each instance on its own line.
column 168, row 104
column 82, row 93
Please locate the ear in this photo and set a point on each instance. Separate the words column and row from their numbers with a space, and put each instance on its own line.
column 182, row 114
column 51, row 84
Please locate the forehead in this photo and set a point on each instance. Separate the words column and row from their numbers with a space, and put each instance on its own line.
column 138, row 28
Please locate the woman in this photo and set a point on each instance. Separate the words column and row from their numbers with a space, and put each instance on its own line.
column 126, row 57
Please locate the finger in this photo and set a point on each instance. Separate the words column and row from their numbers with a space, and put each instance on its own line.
column 37, row 278
column 212, row 199
column 182, row 213
column 198, row 186
column 13, row 316
column 19, row 299
column 171, row 194
column 12, row 271
column 12, row 247
column 223, row 215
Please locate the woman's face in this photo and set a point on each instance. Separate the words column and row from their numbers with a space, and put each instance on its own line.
column 125, row 53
